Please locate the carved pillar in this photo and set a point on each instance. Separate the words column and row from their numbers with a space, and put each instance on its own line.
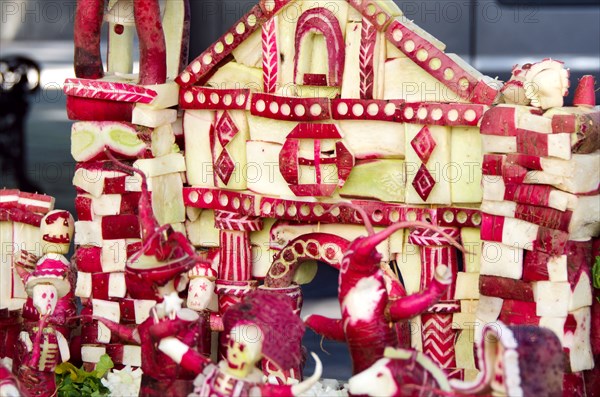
column 235, row 263
column 235, row 259
column 438, row 334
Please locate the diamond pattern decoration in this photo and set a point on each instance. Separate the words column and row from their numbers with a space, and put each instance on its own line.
column 225, row 129
column 423, row 143
column 423, row 182
column 224, row 166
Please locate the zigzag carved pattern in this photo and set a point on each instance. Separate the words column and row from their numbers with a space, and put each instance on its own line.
column 365, row 58
column 269, row 50
column 438, row 339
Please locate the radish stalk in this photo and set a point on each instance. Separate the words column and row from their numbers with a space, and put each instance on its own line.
column 153, row 51
column 88, row 23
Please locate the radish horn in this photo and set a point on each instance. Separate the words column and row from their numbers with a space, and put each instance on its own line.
column 361, row 211
column 368, row 244
column 305, row 385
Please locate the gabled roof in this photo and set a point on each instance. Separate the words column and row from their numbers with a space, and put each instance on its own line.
column 387, row 18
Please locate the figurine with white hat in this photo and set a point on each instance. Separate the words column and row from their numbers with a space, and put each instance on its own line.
column 45, row 341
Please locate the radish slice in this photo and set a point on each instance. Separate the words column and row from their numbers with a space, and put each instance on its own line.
column 108, row 90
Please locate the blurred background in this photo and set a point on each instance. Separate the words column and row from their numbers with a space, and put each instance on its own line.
column 492, row 35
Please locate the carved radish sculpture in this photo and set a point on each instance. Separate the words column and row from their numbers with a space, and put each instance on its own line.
column 401, row 373
column 263, row 325
column 44, row 343
column 165, row 253
column 367, row 308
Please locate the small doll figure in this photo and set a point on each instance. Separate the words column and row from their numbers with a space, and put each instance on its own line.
column 44, row 339
column 261, row 326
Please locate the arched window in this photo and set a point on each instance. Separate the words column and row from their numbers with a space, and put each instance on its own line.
column 320, row 49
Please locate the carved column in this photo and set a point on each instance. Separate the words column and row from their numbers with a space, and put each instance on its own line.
column 438, row 334
column 235, row 259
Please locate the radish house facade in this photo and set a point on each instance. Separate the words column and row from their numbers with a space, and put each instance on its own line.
column 305, row 106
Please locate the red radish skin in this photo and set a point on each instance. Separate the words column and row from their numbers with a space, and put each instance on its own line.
column 153, row 51
column 270, row 8
column 115, row 185
column 83, row 208
column 184, row 52
column 516, row 312
column 500, row 120
column 108, row 90
column 371, row 11
column 529, row 194
column 547, row 240
column 115, row 227
column 214, row 98
column 366, row 59
column 88, row 259
column 362, row 280
column 428, row 237
column 362, row 109
column 289, row 108
column 462, row 82
column 535, row 266
column 221, row 49
column 306, row 247
column 585, row 95
column 546, row 217
column 92, row 334
column 89, row 109
column 380, row 213
column 22, row 216
column 88, row 23
column 535, row 143
column 155, row 363
column 270, row 56
column 38, row 203
column 451, row 114
column 131, row 311
column 324, row 21
column 9, row 198
column 458, row 217
column 588, row 133
column 505, row 288
column 129, row 203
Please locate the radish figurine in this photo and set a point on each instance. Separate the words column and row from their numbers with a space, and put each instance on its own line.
column 367, row 308
column 262, row 325
column 44, row 343
column 167, row 319
column 516, row 361
column 401, row 373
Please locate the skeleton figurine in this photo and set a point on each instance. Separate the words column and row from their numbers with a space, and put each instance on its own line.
column 263, row 325
column 44, row 340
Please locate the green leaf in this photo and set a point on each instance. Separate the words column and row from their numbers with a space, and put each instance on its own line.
column 596, row 273
column 104, row 365
column 76, row 382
